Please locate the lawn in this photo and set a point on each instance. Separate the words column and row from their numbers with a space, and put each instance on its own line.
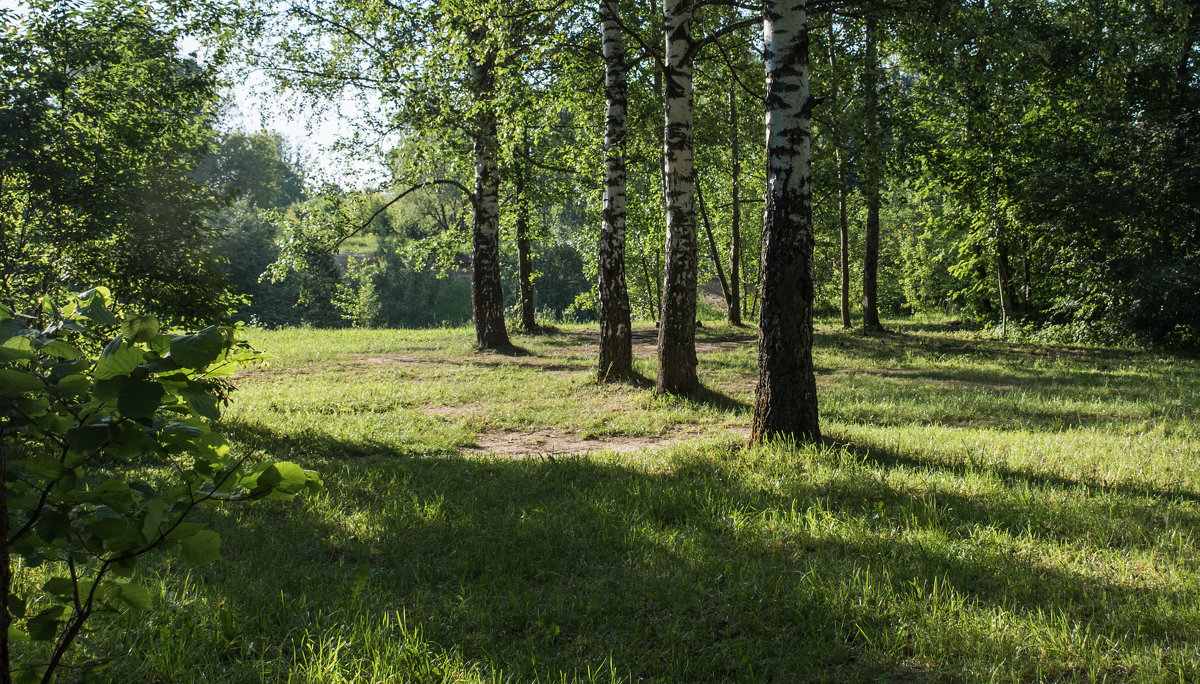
column 980, row 510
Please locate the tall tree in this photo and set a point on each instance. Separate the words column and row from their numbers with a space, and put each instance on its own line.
column 873, row 176
column 786, row 395
column 616, row 342
column 677, row 327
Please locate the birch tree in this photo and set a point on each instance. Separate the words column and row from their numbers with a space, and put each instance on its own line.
column 786, row 394
column 616, row 344
column 677, row 331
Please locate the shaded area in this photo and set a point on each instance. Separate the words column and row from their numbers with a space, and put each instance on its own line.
column 808, row 566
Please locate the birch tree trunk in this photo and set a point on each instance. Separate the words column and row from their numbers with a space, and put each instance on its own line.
column 487, row 298
column 735, row 213
column 677, row 330
column 616, row 342
column 870, row 298
column 785, row 402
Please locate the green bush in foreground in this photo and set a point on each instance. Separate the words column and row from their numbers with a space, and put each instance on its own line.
column 107, row 444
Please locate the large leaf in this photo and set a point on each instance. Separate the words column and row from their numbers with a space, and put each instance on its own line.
column 61, row 349
column 139, row 399
column 140, row 328
column 17, row 348
column 198, row 350
column 201, row 548
column 135, row 595
column 202, row 402
column 44, row 625
column 16, row 382
column 120, row 362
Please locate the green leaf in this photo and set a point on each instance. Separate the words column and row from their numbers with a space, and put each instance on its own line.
column 98, row 313
column 16, row 382
column 16, row 606
column 203, row 403
column 113, row 346
column 201, row 548
column 121, row 362
column 44, row 625
column 139, row 399
column 198, row 350
column 61, row 588
column 155, row 511
column 140, row 328
column 61, row 349
column 17, row 348
column 74, row 384
column 87, row 438
column 135, row 595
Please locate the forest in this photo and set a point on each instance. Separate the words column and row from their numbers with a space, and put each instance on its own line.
column 809, row 340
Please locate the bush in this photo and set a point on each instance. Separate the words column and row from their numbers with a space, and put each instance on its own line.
column 81, row 411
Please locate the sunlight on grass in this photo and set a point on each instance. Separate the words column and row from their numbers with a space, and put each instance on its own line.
column 980, row 510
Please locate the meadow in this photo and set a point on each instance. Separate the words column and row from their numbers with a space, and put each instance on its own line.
column 980, row 510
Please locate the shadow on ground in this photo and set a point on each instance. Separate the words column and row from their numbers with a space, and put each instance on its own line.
column 698, row 569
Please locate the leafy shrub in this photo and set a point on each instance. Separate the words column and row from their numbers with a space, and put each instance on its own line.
column 83, row 412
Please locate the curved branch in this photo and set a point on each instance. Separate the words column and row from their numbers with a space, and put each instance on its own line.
column 441, row 181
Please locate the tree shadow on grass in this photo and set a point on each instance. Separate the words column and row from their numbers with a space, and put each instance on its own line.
column 686, row 570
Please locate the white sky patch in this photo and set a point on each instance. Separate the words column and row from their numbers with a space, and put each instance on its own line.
column 321, row 134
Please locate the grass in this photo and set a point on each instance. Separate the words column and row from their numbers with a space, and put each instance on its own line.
column 980, row 510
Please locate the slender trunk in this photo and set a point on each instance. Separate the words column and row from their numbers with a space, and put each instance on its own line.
column 677, row 331
column 871, row 187
column 785, row 401
column 524, row 258
column 981, row 273
column 653, row 302
column 616, row 341
column 843, row 224
column 735, row 213
column 5, row 570
column 1003, row 277
column 487, row 297
column 1027, row 294
column 712, row 247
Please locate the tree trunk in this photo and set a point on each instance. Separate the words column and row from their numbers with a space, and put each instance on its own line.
column 5, row 571
column 871, row 186
column 525, row 260
column 735, row 213
column 616, row 342
column 712, row 247
column 843, row 224
column 785, row 402
column 487, row 297
column 677, row 329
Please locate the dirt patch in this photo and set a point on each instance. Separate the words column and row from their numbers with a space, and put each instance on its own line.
column 452, row 413
column 555, row 442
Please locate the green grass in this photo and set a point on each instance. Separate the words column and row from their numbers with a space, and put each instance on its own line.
column 980, row 510
column 361, row 244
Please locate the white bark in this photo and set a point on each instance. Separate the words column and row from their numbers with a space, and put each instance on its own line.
column 786, row 395
column 677, row 335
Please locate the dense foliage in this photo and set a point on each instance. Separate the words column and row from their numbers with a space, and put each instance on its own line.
column 101, row 121
column 107, row 443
